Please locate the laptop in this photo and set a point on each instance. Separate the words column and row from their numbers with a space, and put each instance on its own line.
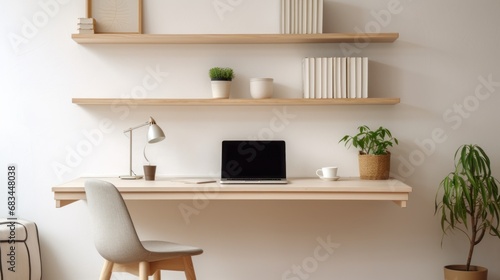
column 253, row 162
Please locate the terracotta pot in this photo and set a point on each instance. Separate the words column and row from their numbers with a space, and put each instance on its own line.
column 458, row 272
column 374, row 167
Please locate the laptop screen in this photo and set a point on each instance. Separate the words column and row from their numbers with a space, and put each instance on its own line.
column 245, row 159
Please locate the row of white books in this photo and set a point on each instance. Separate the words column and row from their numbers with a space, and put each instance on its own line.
column 301, row 16
column 85, row 26
column 335, row 77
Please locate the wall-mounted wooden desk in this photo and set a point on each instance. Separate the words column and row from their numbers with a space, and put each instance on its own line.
column 296, row 189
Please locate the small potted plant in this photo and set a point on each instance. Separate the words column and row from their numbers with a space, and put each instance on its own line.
column 374, row 158
column 468, row 201
column 221, row 78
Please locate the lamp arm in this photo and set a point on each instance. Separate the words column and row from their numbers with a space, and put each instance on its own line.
column 131, row 172
column 135, row 127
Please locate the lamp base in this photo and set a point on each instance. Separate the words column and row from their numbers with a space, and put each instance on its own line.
column 131, row 177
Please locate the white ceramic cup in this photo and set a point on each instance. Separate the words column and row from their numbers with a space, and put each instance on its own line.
column 327, row 172
column 261, row 87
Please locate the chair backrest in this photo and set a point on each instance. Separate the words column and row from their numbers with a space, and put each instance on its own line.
column 115, row 236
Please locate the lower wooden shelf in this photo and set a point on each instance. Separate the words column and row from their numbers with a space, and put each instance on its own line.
column 235, row 102
column 296, row 189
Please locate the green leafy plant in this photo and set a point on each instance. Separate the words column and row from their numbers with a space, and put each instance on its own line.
column 371, row 142
column 468, row 198
column 221, row 74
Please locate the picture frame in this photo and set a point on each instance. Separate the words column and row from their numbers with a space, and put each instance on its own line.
column 116, row 16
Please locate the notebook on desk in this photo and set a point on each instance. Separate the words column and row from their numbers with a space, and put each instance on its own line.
column 253, row 162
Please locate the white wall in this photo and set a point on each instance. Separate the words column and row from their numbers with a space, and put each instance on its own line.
column 446, row 48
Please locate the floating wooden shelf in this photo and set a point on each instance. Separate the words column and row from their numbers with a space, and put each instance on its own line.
column 234, row 38
column 235, row 102
column 297, row 189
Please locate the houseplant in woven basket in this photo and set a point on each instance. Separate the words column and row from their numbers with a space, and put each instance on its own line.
column 374, row 158
column 221, row 78
column 468, row 201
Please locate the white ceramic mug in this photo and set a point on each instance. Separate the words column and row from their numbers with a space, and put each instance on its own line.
column 327, row 172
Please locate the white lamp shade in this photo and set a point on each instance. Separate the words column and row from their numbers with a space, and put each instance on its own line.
column 155, row 134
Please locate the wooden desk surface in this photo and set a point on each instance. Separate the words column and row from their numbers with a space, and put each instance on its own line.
column 296, row 189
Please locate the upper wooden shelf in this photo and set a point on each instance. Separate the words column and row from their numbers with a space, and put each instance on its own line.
column 235, row 102
column 234, row 38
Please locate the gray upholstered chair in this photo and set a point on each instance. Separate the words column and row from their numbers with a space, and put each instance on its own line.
column 117, row 242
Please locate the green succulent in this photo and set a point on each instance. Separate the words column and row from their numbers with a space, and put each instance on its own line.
column 221, row 74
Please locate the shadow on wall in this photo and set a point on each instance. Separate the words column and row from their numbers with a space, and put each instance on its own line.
column 345, row 18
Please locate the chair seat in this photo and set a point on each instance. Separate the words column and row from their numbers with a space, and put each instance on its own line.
column 160, row 250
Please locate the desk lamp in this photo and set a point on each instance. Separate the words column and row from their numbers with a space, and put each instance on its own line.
column 155, row 134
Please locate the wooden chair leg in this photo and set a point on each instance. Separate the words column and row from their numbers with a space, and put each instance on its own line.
column 107, row 270
column 143, row 270
column 157, row 275
column 189, row 268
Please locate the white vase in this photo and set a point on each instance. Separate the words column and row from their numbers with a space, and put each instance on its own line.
column 221, row 89
column 261, row 87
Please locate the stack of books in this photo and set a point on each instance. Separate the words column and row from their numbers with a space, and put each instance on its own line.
column 86, row 26
column 335, row 77
column 301, row 16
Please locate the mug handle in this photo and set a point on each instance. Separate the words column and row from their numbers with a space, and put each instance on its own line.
column 318, row 171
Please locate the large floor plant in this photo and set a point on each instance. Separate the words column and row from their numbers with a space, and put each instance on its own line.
column 468, row 198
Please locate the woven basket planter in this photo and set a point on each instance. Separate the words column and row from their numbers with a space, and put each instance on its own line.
column 374, row 167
